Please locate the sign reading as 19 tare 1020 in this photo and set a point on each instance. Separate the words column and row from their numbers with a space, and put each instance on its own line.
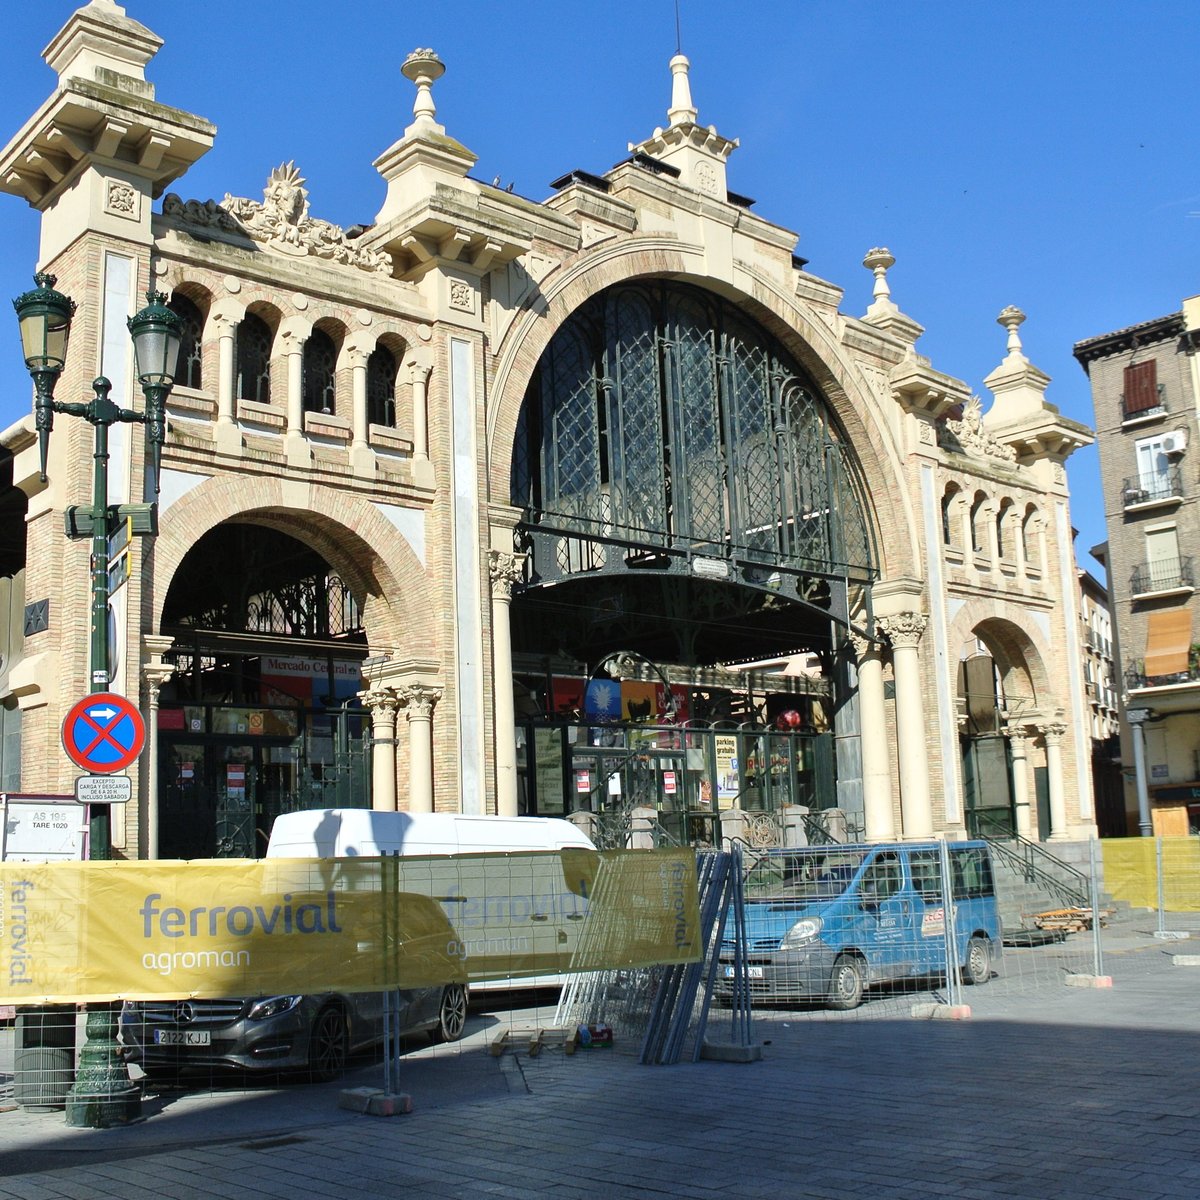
column 103, row 733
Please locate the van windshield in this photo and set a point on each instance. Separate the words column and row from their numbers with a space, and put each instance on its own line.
column 821, row 875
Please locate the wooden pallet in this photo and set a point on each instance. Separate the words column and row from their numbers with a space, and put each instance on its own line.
column 1068, row 920
column 533, row 1040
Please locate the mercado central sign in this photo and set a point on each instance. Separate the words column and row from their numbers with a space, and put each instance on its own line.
column 74, row 932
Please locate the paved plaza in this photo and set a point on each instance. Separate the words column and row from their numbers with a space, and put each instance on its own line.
column 1065, row 1092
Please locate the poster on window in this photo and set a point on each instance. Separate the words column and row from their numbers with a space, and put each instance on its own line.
column 728, row 777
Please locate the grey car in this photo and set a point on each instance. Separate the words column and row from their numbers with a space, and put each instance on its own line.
column 314, row 1034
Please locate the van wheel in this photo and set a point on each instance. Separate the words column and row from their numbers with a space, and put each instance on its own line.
column 452, row 1014
column 847, row 983
column 328, row 1043
column 978, row 967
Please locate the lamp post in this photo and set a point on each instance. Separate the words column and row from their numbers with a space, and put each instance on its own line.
column 103, row 1093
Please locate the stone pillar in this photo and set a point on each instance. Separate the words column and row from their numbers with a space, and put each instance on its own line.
column 291, row 339
column 904, row 630
column 154, row 674
column 418, row 700
column 419, row 374
column 1018, row 744
column 383, row 704
column 357, row 358
column 1053, row 734
column 226, row 369
column 1137, row 718
column 877, row 782
column 505, row 570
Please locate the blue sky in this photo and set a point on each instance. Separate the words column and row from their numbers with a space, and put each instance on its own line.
column 1034, row 152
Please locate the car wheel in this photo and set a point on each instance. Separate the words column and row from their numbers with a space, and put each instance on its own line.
column 978, row 968
column 328, row 1042
column 847, row 983
column 452, row 1014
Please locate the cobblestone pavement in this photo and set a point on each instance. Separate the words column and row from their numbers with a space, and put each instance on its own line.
column 1070, row 1092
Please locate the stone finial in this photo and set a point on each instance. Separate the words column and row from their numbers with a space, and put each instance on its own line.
column 424, row 68
column 682, row 110
column 1011, row 318
column 879, row 260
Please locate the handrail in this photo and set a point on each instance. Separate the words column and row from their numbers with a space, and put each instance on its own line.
column 1037, row 865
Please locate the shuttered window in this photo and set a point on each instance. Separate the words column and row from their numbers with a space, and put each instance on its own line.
column 1141, row 387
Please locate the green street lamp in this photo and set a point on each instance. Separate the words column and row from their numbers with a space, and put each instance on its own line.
column 103, row 1093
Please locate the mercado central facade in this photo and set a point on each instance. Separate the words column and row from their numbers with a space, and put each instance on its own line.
column 599, row 505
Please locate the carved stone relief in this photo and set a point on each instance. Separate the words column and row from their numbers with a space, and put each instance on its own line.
column 121, row 199
column 968, row 435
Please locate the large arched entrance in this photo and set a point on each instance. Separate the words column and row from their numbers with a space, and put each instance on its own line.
column 696, row 540
column 261, row 716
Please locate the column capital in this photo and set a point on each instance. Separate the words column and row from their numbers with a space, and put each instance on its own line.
column 380, row 699
column 862, row 645
column 418, row 700
column 506, row 570
column 1138, row 716
column 1017, row 736
column 903, row 629
column 356, row 357
column 418, row 369
column 1053, row 732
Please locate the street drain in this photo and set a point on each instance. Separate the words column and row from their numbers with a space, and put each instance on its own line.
column 271, row 1143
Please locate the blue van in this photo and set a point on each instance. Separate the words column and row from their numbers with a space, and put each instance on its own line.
column 828, row 922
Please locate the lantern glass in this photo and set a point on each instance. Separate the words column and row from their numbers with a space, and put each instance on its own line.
column 157, row 333
column 44, row 317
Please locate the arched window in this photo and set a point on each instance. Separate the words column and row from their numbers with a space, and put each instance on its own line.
column 381, row 387
column 320, row 361
column 254, row 359
column 188, row 369
column 950, row 499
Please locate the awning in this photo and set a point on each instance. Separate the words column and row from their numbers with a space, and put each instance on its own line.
column 1168, row 640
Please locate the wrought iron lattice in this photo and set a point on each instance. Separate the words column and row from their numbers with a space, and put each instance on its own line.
column 254, row 359
column 315, row 607
column 661, row 418
column 381, row 387
column 188, row 372
column 320, row 362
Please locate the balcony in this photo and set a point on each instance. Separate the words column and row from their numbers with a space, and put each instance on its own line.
column 1133, row 412
column 1136, row 679
column 1151, row 490
column 1164, row 577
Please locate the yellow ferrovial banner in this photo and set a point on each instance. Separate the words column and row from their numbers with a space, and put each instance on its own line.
column 79, row 932
column 1131, row 868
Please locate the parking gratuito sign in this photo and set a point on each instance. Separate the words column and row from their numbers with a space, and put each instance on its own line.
column 99, row 931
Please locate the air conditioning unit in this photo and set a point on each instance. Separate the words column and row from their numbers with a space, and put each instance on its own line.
column 1175, row 442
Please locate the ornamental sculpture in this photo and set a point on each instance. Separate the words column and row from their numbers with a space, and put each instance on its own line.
column 968, row 435
column 281, row 222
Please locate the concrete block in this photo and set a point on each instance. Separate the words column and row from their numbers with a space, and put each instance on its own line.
column 375, row 1102
column 731, row 1052
column 1186, row 960
column 1172, row 935
column 941, row 1012
column 1092, row 981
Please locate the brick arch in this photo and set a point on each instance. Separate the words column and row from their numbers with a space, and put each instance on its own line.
column 1020, row 652
column 812, row 343
column 361, row 545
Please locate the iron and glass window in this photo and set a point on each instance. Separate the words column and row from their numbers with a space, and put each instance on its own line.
column 189, row 369
column 381, row 387
column 320, row 362
column 254, row 359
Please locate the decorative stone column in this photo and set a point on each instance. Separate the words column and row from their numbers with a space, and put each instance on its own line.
column 1018, row 744
column 383, row 704
column 292, row 342
column 1053, row 735
column 418, row 700
column 904, row 630
column 419, row 374
column 505, row 570
column 877, row 786
column 1137, row 718
column 226, row 328
column 356, row 357
column 154, row 674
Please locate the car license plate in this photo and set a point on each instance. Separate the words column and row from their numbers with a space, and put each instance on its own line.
column 182, row 1037
column 751, row 972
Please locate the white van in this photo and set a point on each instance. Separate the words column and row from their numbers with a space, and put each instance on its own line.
column 498, row 913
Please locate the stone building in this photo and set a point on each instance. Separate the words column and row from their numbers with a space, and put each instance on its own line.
column 1145, row 383
column 489, row 504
